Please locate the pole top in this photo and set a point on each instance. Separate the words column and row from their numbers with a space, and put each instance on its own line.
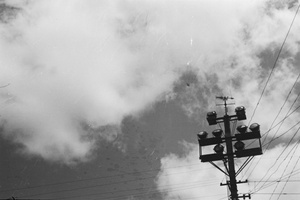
column 225, row 99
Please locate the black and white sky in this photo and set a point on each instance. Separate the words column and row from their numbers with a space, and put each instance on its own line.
column 103, row 99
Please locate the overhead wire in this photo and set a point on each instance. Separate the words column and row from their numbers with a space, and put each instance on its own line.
column 274, row 65
column 278, row 159
column 288, row 179
column 297, row 145
column 270, row 183
column 268, row 79
column 279, row 123
column 92, row 179
column 101, row 185
column 285, row 101
column 165, row 188
column 264, row 134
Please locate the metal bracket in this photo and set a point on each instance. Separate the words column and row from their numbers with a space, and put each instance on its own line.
column 238, row 182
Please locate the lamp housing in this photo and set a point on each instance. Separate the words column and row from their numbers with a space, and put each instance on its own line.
column 242, row 128
column 255, row 127
column 219, row 149
column 211, row 118
column 240, row 113
column 239, row 145
column 217, row 133
column 202, row 135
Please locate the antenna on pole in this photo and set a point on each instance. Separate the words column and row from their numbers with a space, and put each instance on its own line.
column 225, row 99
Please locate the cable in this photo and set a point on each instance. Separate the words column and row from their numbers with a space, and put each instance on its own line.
column 267, row 84
column 277, row 160
column 287, row 97
column 168, row 189
column 264, row 134
column 297, row 145
column 274, row 65
column 275, row 181
column 91, row 179
column 268, row 143
column 289, row 175
column 283, row 133
column 165, row 187
column 100, row 185
column 286, row 193
column 247, row 161
column 282, row 121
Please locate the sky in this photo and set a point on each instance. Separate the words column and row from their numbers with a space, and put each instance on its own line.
column 103, row 99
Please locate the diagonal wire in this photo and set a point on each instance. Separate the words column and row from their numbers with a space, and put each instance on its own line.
column 276, row 161
column 274, row 65
column 289, row 175
column 281, row 122
column 297, row 145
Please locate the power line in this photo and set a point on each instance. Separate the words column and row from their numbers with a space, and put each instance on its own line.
column 167, row 188
column 264, row 134
column 102, row 185
column 285, row 101
column 278, row 159
column 274, row 65
column 287, row 114
column 275, row 181
column 94, row 178
column 269, row 143
column 290, row 174
column 297, row 145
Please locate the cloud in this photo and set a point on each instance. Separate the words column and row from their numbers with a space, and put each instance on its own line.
column 74, row 67
column 77, row 67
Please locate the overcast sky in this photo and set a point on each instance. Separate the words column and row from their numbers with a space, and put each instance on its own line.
column 103, row 99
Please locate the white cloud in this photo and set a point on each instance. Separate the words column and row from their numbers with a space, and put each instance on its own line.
column 94, row 62
column 76, row 62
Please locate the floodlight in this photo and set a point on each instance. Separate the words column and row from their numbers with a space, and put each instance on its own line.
column 242, row 128
column 212, row 118
column 254, row 127
column 240, row 112
column 202, row 135
column 239, row 145
column 217, row 133
column 219, row 149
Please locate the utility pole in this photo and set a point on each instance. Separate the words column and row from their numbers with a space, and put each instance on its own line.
column 228, row 138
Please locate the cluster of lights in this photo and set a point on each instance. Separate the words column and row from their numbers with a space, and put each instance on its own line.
column 243, row 134
column 239, row 145
column 212, row 116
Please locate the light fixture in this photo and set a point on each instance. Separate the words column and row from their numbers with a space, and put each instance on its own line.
column 242, row 128
column 239, row 145
column 219, row 149
column 211, row 118
column 202, row 135
column 240, row 113
column 254, row 127
column 217, row 133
